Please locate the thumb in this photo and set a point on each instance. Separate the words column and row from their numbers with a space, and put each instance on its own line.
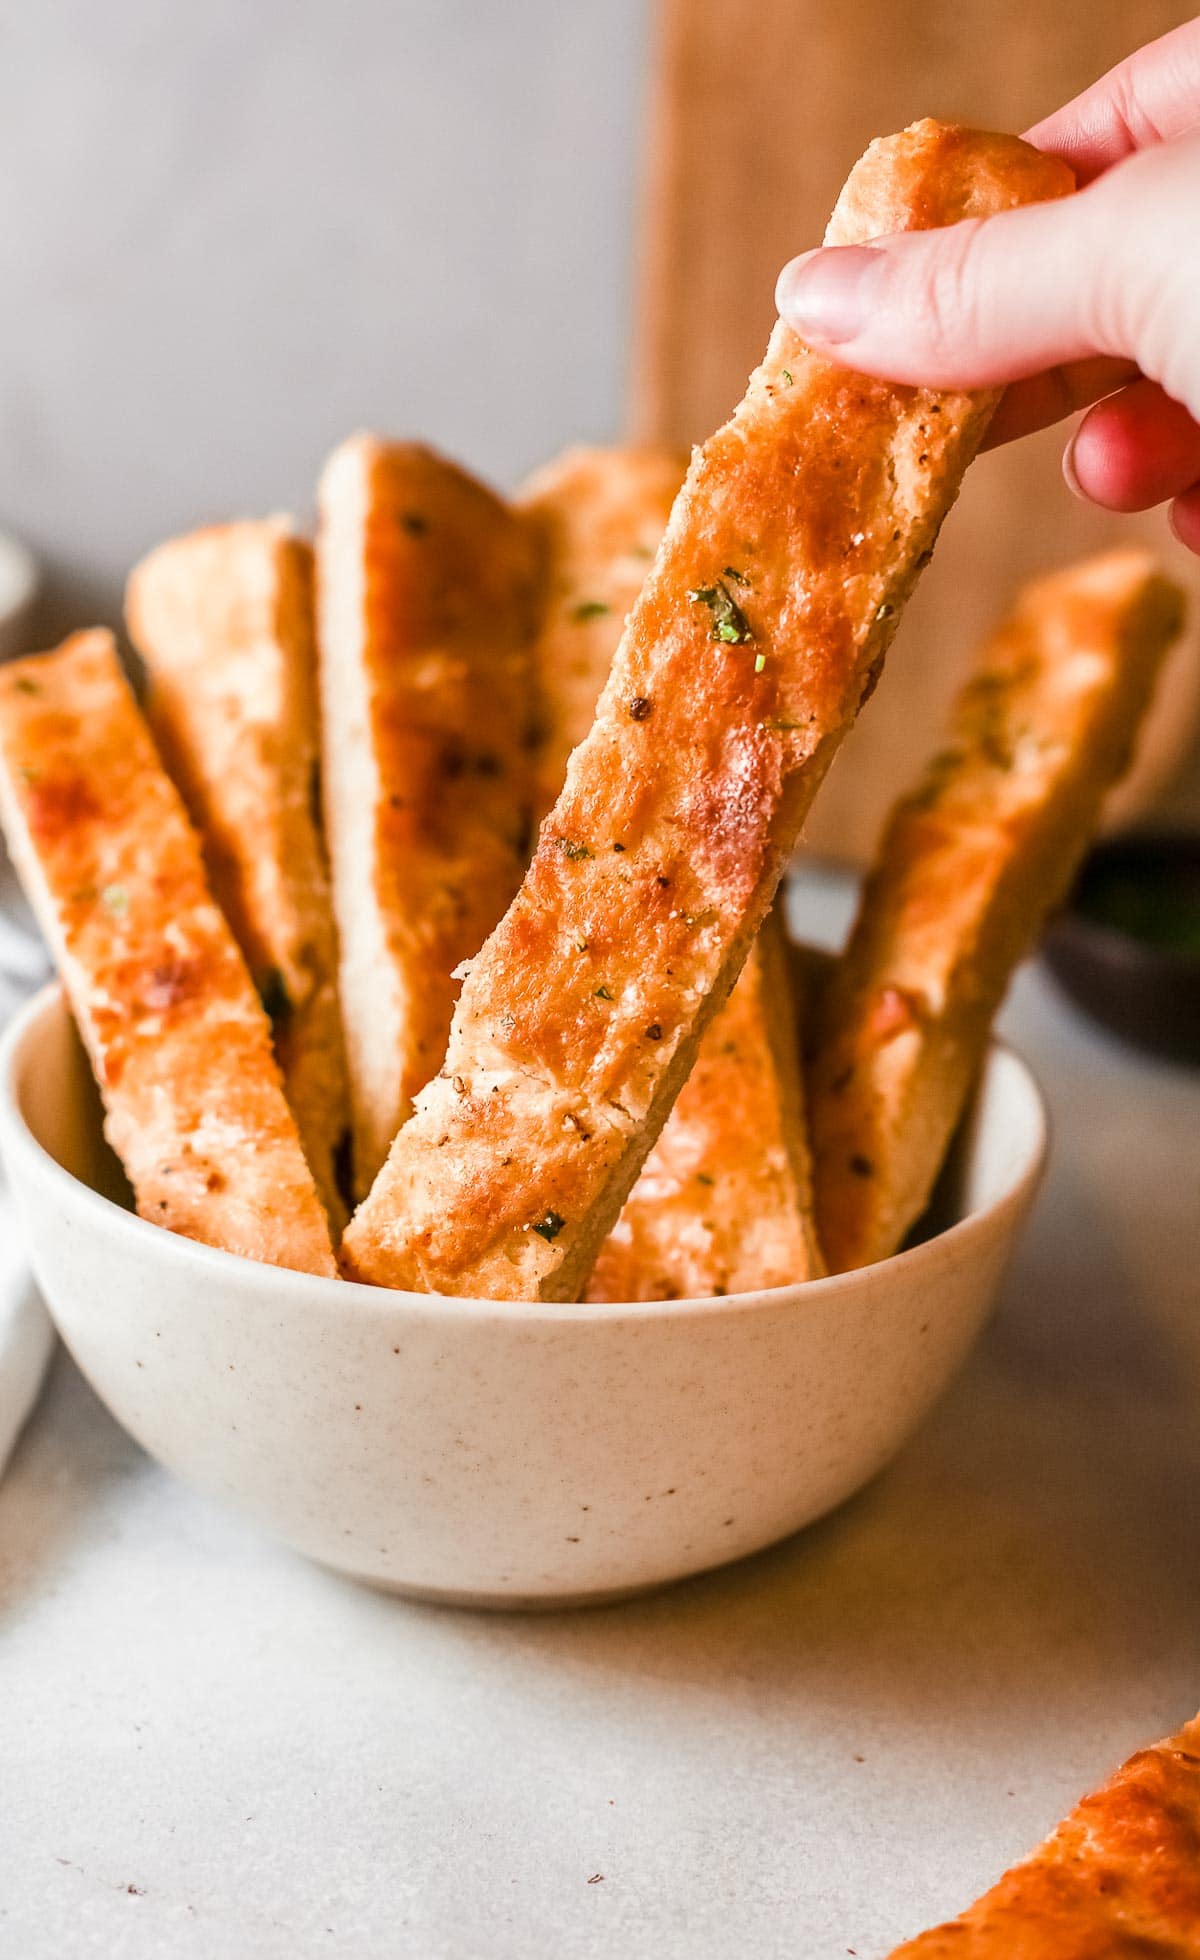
column 1112, row 271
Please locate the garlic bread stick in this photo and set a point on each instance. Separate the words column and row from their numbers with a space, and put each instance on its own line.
column 223, row 620
column 425, row 594
column 798, row 534
column 970, row 864
column 1118, row 1880
column 176, row 1033
column 598, row 516
column 723, row 1202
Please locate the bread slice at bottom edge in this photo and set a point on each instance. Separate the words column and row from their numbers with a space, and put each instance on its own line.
column 1118, row 1880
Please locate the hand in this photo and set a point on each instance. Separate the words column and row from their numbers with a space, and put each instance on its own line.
column 1091, row 299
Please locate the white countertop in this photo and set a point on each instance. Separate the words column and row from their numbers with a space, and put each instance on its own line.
column 210, row 1748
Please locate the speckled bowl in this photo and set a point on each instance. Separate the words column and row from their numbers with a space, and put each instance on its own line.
column 501, row 1455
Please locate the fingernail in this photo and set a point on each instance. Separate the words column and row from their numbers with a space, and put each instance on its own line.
column 827, row 295
column 1071, row 474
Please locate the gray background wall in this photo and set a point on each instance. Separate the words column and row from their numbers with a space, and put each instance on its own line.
column 231, row 233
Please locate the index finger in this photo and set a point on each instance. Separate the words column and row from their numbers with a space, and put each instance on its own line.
column 1152, row 97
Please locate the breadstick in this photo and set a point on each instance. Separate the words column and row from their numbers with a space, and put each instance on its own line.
column 798, row 535
column 723, row 1203
column 970, row 864
column 425, row 593
column 223, row 622
column 1118, row 1880
column 598, row 516
column 176, row 1033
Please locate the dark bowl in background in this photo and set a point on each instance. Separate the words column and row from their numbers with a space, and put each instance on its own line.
column 1131, row 979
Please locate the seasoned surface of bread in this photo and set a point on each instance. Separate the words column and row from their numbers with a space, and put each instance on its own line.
column 223, row 621
column 724, row 1200
column 969, row 866
column 425, row 596
column 598, row 516
column 177, row 1036
column 798, row 534
column 1118, row 1880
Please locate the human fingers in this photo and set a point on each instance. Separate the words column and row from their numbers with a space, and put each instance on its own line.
column 1034, row 404
column 1113, row 271
column 1185, row 519
column 1134, row 450
column 1151, row 97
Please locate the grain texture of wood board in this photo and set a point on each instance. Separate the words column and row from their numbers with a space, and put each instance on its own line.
column 724, row 1201
column 173, row 1025
column 223, row 621
column 800, row 530
column 973, row 858
column 425, row 584
column 1118, row 1880
column 756, row 108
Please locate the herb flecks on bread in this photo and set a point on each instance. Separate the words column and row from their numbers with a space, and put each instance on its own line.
column 176, row 1033
column 799, row 533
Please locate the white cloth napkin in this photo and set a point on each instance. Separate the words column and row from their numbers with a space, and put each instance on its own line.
column 26, row 1336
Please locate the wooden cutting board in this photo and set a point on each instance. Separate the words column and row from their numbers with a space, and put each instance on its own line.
column 759, row 108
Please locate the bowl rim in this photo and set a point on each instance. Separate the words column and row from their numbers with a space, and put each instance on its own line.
column 17, row 1138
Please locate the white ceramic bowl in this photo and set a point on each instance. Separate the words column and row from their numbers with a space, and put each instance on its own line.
column 491, row 1454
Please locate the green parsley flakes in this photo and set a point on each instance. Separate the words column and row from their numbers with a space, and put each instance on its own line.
column 115, row 899
column 570, row 849
column 590, row 609
column 729, row 622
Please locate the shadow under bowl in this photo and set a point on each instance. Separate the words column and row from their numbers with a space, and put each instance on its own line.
column 500, row 1454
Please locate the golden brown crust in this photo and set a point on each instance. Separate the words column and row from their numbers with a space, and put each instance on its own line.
column 223, row 621
column 425, row 596
column 723, row 1201
column 798, row 534
column 176, row 1033
column 598, row 516
column 1118, row 1880
column 970, row 864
